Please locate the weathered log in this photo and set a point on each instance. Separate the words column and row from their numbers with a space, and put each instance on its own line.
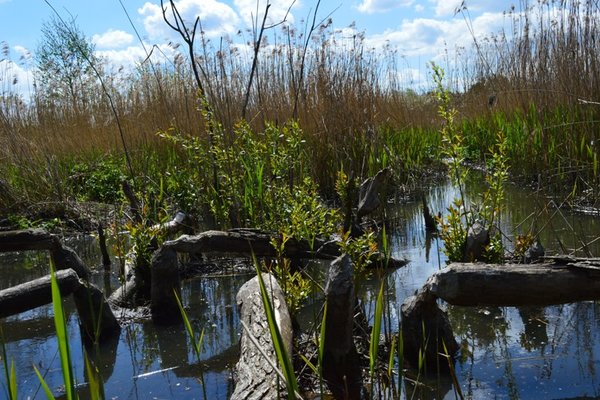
column 368, row 197
column 65, row 257
column 256, row 378
column 515, row 284
column 38, row 239
column 103, row 250
column 35, row 293
column 164, row 285
column 341, row 367
column 97, row 321
column 426, row 332
column 96, row 318
column 28, row 239
column 245, row 242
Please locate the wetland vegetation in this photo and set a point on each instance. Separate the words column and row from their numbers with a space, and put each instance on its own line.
column 279, row 140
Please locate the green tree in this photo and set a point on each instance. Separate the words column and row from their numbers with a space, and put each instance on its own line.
column 64, row 61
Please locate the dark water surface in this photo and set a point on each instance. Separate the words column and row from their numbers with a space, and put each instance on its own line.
column 525, row 352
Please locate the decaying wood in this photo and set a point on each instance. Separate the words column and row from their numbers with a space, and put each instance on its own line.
column 425, row 331
column 89, row 300
column 103, row 250
column 256, row 378
column 137, row 286
column 35, row 293
column 165, row 283
column 368, row 197
column 341, row 366
column 38, row 239
column 566, row 280
column 246, row 242
column 516, row 284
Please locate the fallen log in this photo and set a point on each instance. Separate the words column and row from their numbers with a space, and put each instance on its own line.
column 256, row 377
column 566, row 280
column 62, row 256
column 97, row 321
column 35, row 293
column 249, row 241
column 246, row 242
column 515, row 284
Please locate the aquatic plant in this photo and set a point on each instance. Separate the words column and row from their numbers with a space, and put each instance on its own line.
column 464, row 215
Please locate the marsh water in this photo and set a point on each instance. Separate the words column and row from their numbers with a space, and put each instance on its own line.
column 526, row 352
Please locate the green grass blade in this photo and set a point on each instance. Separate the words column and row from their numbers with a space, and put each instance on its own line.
column 376, row 331
column 11, row 376
column 310, row 365
column 94, row 381
column 282, row 356
column 321, row 343
column 400, row 350
column 47, row 390
column 390, row 370
column 13, row 381
column 62, row 337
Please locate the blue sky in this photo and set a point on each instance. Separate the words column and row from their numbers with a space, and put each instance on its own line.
column 420, row 30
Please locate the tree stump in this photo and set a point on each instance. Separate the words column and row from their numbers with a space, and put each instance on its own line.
column 256, row 378
column 425, row 331
column 341, row 367
column 164, row 285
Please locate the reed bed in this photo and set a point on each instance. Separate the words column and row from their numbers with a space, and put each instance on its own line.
column 537, row 82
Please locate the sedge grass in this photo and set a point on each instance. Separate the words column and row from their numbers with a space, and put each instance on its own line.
column 9, row 373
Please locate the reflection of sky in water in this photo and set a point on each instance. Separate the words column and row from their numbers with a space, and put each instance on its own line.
column 510, row 353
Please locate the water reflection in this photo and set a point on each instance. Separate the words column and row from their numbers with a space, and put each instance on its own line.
column 526, row 352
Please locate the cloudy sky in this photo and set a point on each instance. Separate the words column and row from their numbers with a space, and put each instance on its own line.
column 420, row 30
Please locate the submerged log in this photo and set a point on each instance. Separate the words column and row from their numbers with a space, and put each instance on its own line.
column 516, row 284
column 256, row 378
column 341, row 366
column 96, row 318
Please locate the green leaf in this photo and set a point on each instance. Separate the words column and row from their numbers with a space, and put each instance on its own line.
column 62, row 337
column 47, row 390
column 94, row 381
column 375, row 332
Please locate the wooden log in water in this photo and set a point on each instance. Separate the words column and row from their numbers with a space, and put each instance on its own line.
column 38, row 239
column 164, row 286
column 35, row 293
column 246, row 242
column 256, row 378
column 341, row 364
column 249, row 241
column 96, row 317
column 28, row 239
column 478, row 284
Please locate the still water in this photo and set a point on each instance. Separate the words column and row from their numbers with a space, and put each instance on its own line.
column 526, row 353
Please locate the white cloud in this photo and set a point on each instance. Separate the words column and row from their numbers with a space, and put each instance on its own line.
column 445, row 8
column 278, row 11
column 419, row 8
column 15, row 79
column 112, row 39
column 431, row 37
column 217, row 19
column 132, row 55
column 378, row 6
column 24, row 53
